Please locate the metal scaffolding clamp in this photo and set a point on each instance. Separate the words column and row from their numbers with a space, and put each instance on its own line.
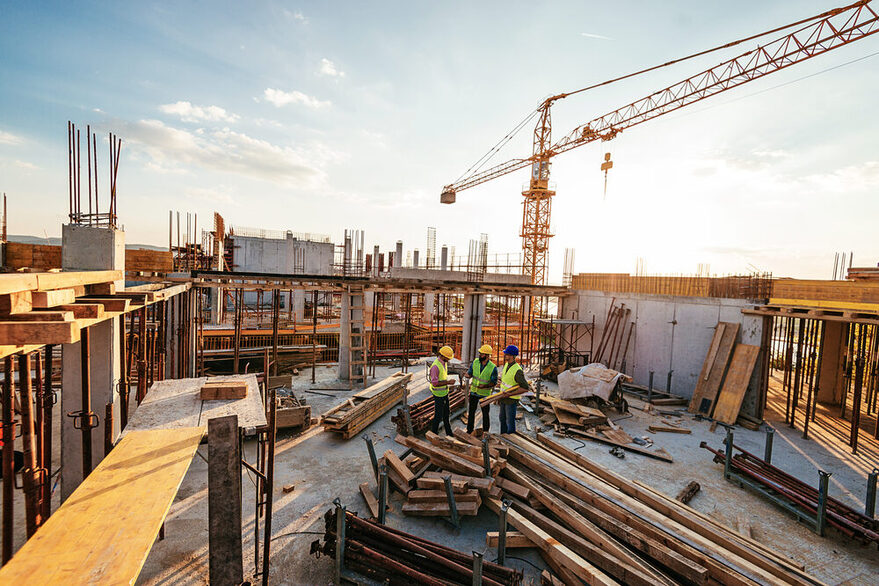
column 84, row 419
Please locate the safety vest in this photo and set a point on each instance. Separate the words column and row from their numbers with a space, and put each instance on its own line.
column 508, row 378
column 481, row 376
column 443, row 375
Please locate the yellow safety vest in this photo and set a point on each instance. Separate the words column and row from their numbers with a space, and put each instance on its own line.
column 481, row 376
column 443, row 375
column 508, row 378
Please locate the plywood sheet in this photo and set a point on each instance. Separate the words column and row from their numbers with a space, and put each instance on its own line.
column 714, row 368
column 729, row 401
column 104, row 531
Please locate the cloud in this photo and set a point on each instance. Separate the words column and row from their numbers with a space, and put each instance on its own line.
column 297, row 16
column 8, row 138
column 328, row 68
column 595, row 36
column 190, row 113
column 225, row 150
column 25, row 165
column 281, row 98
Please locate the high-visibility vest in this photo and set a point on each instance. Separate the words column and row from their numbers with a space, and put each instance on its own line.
column 443, row 375
column 508, row 378
column 481, row 376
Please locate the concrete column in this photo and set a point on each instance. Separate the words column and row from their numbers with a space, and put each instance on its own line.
column 474, row 314
column 832, row 364
column 298, row 301
column 216, row 300
column 428, row 313
column 346, row 328
column 90, row 248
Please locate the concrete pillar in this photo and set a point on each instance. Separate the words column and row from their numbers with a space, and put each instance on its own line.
column 830, row 378
column 351, row 322
column 298, row 301
column 474, row 315
column 428, row 313
column 90, row 248
column 216, row 299
column 375, row 261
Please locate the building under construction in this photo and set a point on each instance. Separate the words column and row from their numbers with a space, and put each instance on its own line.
column 249, row 405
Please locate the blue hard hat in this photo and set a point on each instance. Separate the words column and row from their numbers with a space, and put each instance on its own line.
column 511, row 350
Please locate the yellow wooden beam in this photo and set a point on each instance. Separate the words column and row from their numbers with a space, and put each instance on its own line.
column 826, row 304
column 103, row 533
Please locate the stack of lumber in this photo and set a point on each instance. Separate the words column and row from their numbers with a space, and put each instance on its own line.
column 421, row 413
column 148, row 260
column 390, row 556
column 358, row 411
column 20, row 255
column 598, row 527
column 725, row 376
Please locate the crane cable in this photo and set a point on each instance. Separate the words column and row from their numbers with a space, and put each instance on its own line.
column 475, row 167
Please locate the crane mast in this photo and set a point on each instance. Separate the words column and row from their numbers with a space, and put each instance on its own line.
column 824, row 32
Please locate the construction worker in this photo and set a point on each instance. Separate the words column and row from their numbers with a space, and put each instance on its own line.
column 439, row 387
column 483, row 378
column 512, row 377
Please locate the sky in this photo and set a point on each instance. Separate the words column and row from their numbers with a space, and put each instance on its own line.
column 316, row 117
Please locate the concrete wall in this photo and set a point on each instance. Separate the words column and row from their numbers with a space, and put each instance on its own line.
column 289, row 256
column 439, row 276
column 671, row 334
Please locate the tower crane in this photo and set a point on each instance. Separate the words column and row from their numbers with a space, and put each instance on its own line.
column 815, row 35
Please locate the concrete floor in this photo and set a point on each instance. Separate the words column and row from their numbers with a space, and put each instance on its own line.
column 323, row 467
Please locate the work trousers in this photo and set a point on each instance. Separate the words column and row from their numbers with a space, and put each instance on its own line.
column 471, row 413
column 441, row 412
column 508, row 415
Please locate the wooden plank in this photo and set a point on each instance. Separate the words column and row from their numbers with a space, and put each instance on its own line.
column 729, row 401
column 482, row 483
column 60, row 280
column 558, row 552
column 117, row 304
column 225, row 553
column 438, row 484
column 513, row 540
column 41, row 316
column 714, row 368
column 440, row 496
column 464, row 450
column 17, row 302
column 439, row 509
column 46, row 299
column 565, row 417
column 661, row 428
column 14, row 282
column 514, row 488
column 44, row 332
column 83, row 310
column 442, row 458
column 105, row 529
column 617, row 435
column 399, row 467
column 371, row 500
column 220, row 390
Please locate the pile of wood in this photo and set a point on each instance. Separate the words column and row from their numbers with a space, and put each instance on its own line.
column 361, row 409
column 725, row 376
column 421, row 413
column 390, row 556
column 595, row 526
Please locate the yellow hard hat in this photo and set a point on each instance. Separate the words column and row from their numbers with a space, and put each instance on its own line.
column 447, row 352
column 486, row 349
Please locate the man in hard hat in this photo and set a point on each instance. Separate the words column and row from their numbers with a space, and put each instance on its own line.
column 439, row 387
column 512, row 377
column 483, row 378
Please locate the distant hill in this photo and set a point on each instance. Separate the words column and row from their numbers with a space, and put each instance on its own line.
column 25, row 239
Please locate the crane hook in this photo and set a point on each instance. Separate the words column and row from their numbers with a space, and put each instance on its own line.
column 606, row 166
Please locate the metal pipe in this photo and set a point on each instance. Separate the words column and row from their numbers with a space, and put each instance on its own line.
column 477, row 568
column 823, row 487
column 8, row 457
column 86, row 420
column 767, row 447
column 502, row 532
column 668, row 382
column 870, row 503
column 453, row 508
column 382, row 492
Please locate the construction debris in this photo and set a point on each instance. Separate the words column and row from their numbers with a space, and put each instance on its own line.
column 688, row 492
column 421, row 413
column 357, row 412
column 603, row 528
column 392, row 556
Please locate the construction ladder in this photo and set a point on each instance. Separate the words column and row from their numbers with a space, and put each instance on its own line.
column 357, row 337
